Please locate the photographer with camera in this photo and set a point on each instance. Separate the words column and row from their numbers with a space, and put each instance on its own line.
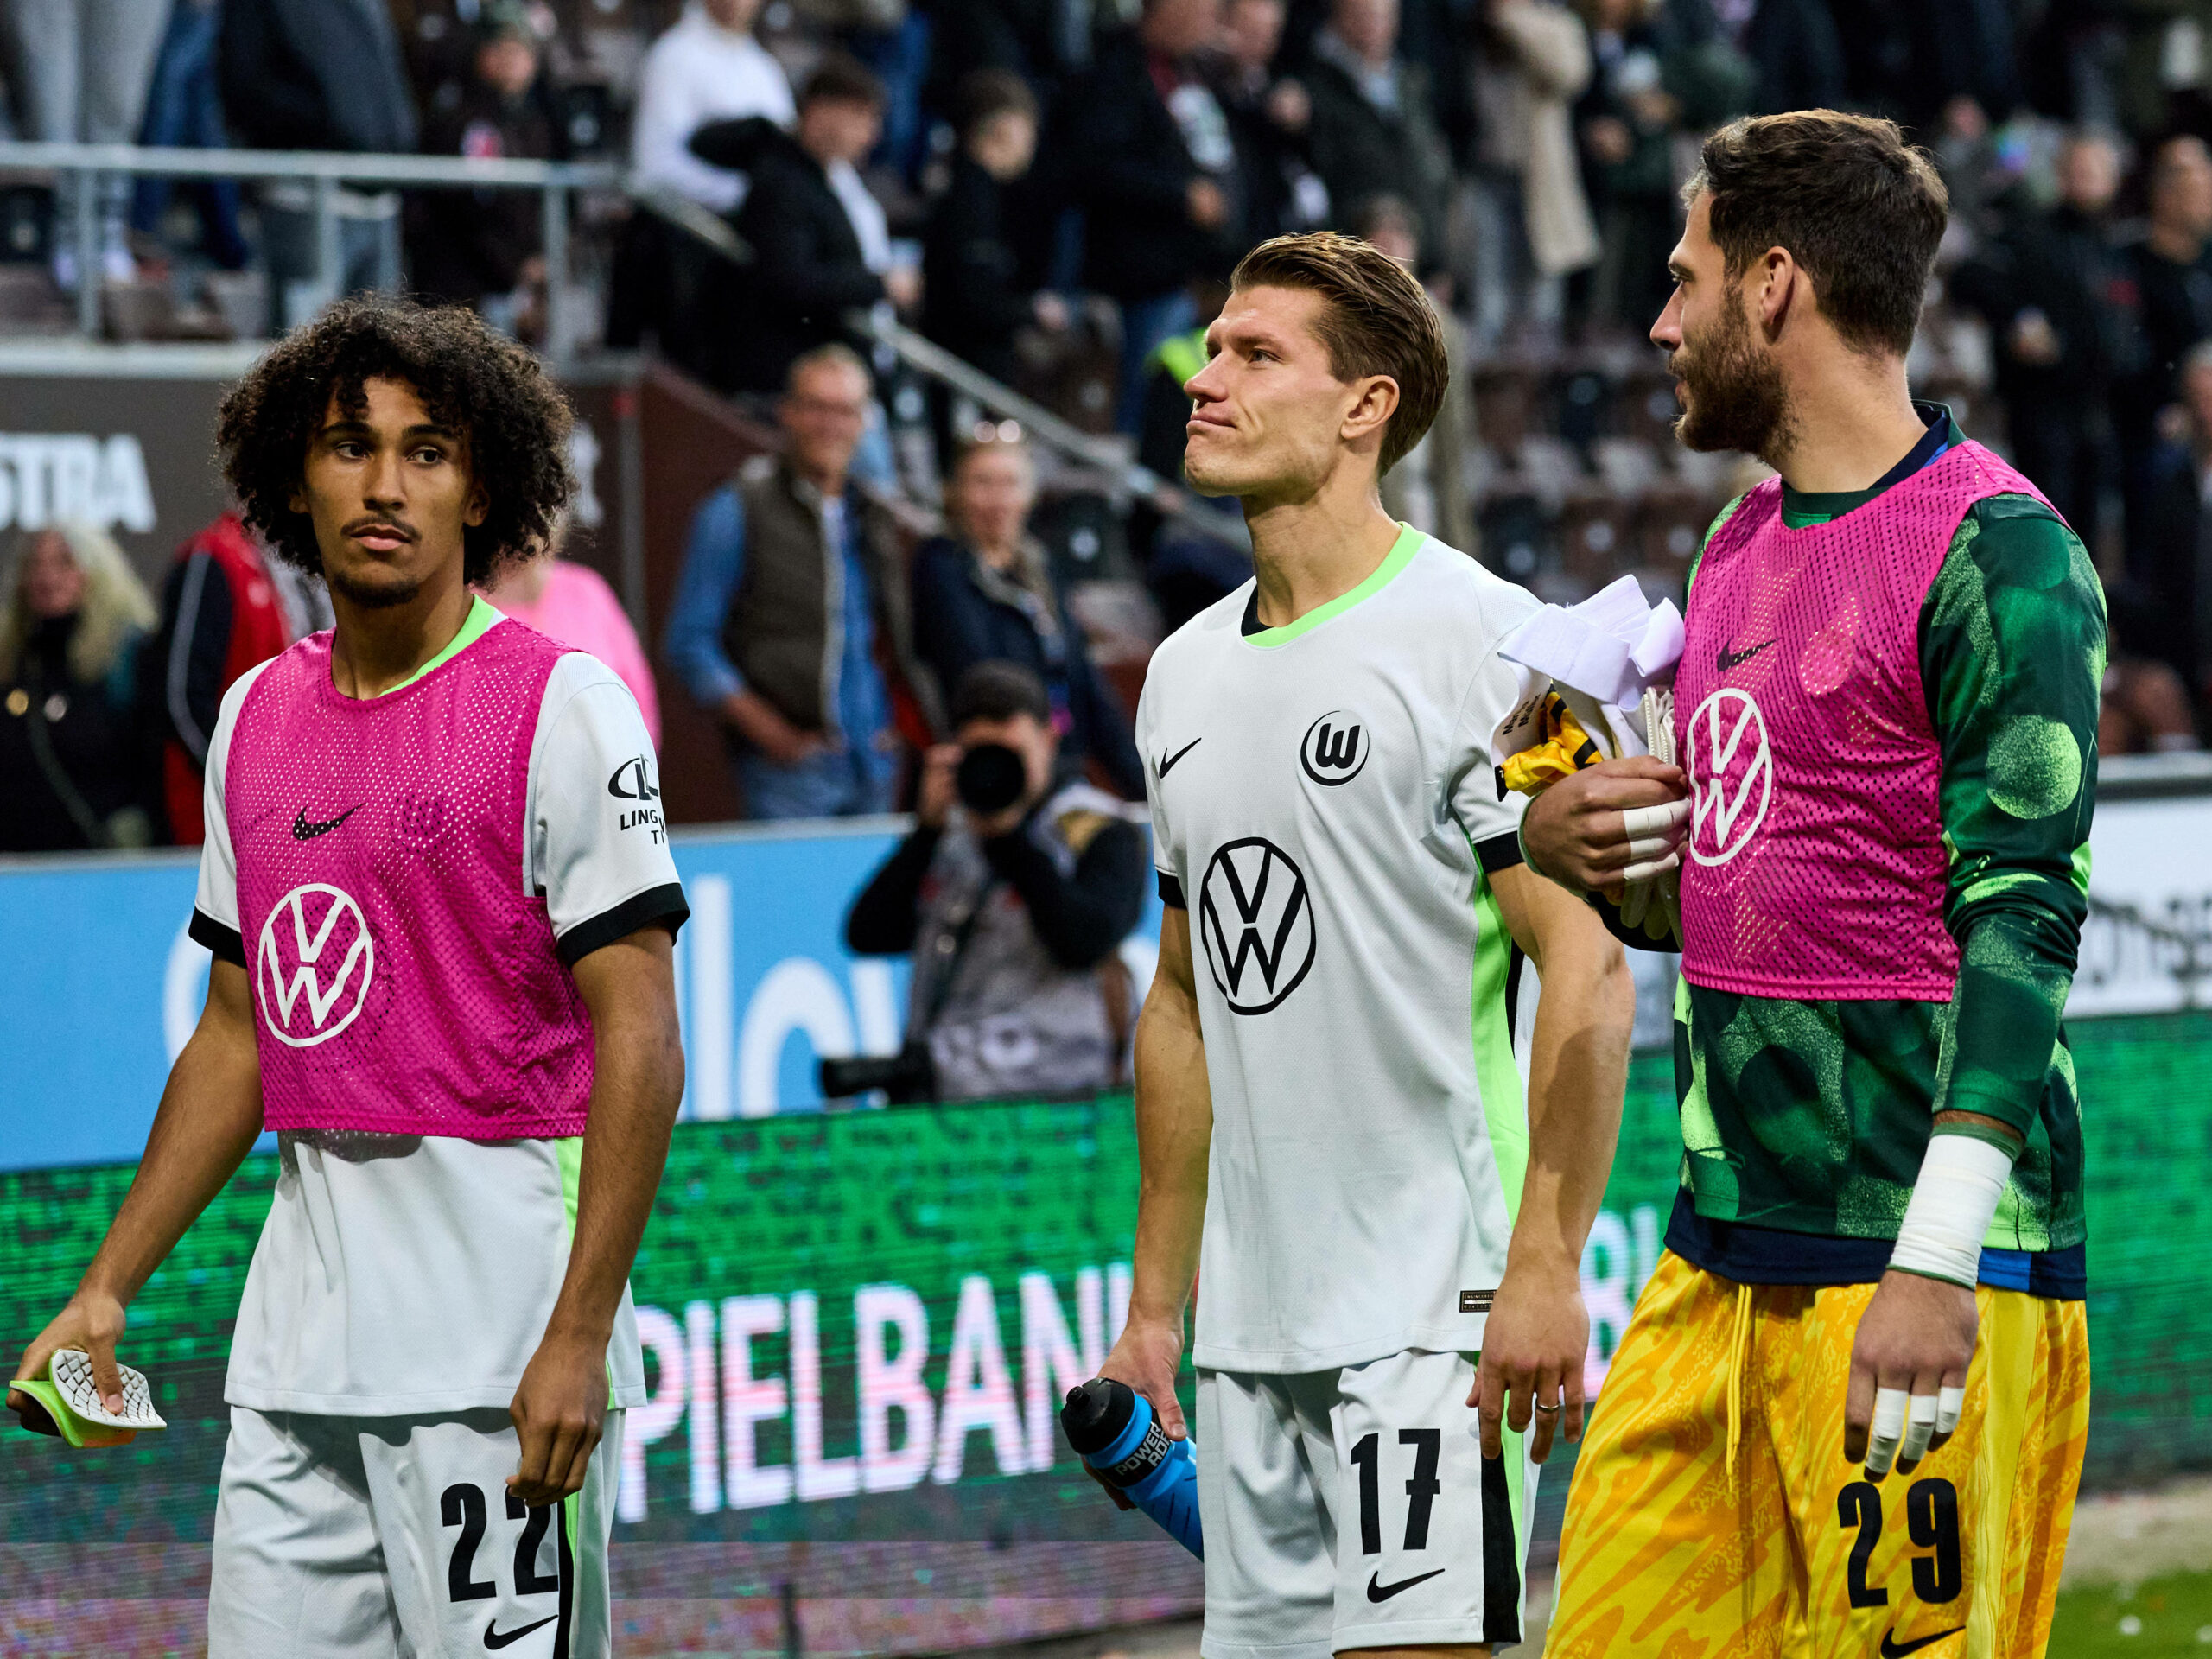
column 1019, row 881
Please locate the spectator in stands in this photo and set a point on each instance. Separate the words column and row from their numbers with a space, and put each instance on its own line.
column 1157, row 172
column 2173, row 274
column 1013, row 917
column 1372, row 133
column 485, row 249
column 892, row 38
column 1427, row 488
column 982, row 594
column 2163, row 609
column 82, row 68
column 820, row 244
column 73, row 771
column 226, row 607
column 184, row 110
column 708, row 67
column 974, row 299
column 790, row 582
column 1046, row 42
column 1913, row 59
column 1269, row 115
column 572, row 603
column 1533, row 222
column 1649, row 80
column 1185, row 568
column 2058, row 298
column 1795, row 50
column 319, row 74
column 2173, row 288
column 2142, row 707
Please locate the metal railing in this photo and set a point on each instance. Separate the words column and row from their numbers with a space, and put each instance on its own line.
column 933, row 362
column 82, row 165
column 556, row 183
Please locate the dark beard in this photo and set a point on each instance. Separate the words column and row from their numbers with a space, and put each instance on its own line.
column 368, row 596
column 1735, row 393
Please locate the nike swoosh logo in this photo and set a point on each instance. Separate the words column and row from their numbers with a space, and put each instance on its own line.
column 1736, row 658
column 495, row 1638
column 302, row 830
column 1894, row 1649
column 1168, row 764
column 1377, row 1591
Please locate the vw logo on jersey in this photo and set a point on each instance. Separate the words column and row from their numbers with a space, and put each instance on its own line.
column 316, row 961
column 1256, row 920
column 1334, row 749
column 1731, row 767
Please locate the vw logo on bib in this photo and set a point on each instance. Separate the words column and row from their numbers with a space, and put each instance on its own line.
column 316, row 961
column 1731, row 768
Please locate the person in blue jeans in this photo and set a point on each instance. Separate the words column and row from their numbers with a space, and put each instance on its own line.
column 184, row 108
column 791, row 605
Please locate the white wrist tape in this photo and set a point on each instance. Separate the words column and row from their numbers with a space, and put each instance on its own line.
column 1962, row 1178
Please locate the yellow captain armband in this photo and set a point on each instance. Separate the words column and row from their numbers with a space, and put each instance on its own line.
column 1566, row 748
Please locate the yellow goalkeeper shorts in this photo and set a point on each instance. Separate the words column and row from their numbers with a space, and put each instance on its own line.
column 1713, row 1512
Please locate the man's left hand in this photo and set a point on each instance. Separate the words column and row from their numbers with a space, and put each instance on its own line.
column 1908, row 1371
column 558, row 1411
column 1533, row 1345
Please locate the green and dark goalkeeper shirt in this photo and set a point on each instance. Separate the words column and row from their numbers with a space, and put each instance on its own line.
column 1806, row 1121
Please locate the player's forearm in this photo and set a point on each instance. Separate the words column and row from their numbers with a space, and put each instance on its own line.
column 1577, row 1073
column 637, row 1089
column 209, row 1118
column 1174, row 1110
column 2015, row 970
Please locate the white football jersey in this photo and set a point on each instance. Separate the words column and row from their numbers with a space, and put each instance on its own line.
column 1324, row 806
column 400, row 1274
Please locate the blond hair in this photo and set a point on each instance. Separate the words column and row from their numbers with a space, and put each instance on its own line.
column 116, row 607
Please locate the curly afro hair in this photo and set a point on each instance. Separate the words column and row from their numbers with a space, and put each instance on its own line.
column 516, row 421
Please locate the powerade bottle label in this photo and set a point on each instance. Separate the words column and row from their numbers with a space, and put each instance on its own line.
column 1151, row 1452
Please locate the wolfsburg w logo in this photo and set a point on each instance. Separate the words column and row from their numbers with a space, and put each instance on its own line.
column 1334, row 748
column 315, row 962
column 1257, row 922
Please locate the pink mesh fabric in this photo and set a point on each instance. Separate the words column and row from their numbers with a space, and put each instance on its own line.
column 1815, row 865
column 405, row 982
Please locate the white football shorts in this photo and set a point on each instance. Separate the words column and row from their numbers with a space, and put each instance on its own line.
column 348, row 1537
column 1354, row 1508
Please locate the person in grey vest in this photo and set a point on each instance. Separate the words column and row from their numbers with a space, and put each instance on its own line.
column 1013, row 914
column 792, row 600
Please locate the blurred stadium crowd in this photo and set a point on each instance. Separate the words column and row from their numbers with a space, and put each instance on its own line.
column 1055, row 190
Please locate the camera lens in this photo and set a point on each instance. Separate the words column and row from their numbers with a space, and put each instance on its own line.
column 991, row 778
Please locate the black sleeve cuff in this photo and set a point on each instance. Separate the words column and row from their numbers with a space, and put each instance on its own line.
column 1500, row 852
column 1171, row 892
column 663, row 904
column 225, row 942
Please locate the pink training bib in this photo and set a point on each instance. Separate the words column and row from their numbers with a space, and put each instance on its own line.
column 1815, row 866
column 405, row 982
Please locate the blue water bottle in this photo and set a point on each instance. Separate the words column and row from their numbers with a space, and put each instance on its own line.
column 1112, row 1426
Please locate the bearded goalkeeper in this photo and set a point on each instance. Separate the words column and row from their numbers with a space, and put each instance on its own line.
column 1885, row 712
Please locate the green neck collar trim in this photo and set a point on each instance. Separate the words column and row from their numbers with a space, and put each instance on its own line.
column 1400, row 555
column 474, row 626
